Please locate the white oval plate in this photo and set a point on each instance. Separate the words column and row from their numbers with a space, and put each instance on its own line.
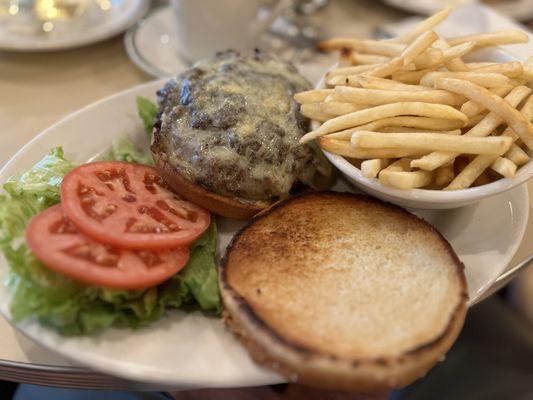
column 189, row 349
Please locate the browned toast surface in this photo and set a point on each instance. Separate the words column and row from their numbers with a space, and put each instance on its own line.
column 346, row 277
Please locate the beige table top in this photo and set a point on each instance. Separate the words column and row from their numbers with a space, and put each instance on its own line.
column 37, row 90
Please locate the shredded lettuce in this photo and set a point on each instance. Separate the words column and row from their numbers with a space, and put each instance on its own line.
column 147, row 110
column 77, row 309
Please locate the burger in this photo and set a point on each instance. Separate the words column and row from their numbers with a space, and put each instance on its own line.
column 226, row 136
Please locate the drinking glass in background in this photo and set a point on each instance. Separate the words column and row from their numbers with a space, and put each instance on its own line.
column 206, row 26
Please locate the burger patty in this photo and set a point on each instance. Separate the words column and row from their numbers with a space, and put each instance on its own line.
column 230, row 124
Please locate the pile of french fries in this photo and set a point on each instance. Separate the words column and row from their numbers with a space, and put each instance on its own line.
column 411, row 113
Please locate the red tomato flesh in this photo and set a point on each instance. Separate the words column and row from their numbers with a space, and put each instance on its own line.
column 128, row 205
column 56, row 241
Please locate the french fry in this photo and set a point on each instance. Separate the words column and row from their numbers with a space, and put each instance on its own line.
column 474, row 65
column 492, row 120
column 399, row 165
column 429, row 58
column 411, row 77
column 492, row 38
column 509, row 132
column 484, row 128
column 435, row 56
column 426, row 142
column 404, row 129
column 412, row 51
column 423, row 26
column 473, row 121
column 345, row 57
column 528, row 70
column 371, row 82
column 338, row 80
column 360, row 58
column 383, row 70
column 404, row 121
column 367, row 46
column 418, row 46
column 517, row 155
column 513, row 117
column 370, row 168
column 518, row 81
column 457, row 51
column 312, row 96
column 512, row 69
column 471, row 108
column 353, row 80
column 526, row 111
column 485, row 79
column 470, row 173
column 528, row 74
column 384, row 111
column 412, row 117
column 347, row 71
column 444, row 175
column 454, row 64
column 406, row 179
column 335, row 108
column 314, row 112
column 504, row 167
column 378, row 96
column 344, row 148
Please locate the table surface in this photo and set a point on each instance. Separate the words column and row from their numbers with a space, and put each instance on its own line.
column 38, row 89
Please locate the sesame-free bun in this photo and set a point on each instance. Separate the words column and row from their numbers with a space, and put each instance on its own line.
column 343, row 291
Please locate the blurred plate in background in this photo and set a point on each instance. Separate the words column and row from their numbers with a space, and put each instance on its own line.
column 521, row 10
column 41, row 25
column 151, row 44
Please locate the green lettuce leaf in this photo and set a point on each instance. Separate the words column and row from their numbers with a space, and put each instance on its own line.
column 147, row 111
column 43, row 179
column 124, row 150
column 73, row 308
column 200, row 274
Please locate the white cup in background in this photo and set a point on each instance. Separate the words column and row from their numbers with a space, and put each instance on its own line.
column 204, row 27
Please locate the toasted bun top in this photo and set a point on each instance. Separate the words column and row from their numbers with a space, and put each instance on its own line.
column 344, row 276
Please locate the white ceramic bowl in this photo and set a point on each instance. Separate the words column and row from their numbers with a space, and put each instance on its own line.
column 433, row 199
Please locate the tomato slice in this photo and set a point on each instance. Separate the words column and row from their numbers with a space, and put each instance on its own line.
column 56, row 242
column 128, row 205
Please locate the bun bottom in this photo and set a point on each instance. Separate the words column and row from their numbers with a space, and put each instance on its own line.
column 325, row 372
column 217, row 204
